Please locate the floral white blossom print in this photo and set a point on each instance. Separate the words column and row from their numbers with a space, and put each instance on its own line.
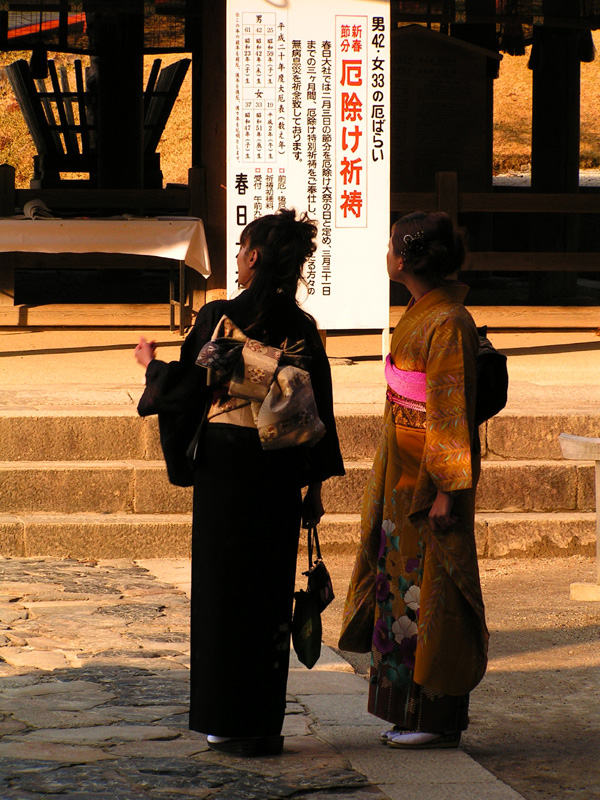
column 412, row 597
column 388, row 526
column 403, row 628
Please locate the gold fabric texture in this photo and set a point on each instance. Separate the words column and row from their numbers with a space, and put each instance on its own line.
column 419, row 588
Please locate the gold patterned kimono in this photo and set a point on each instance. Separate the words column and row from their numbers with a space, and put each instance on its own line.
column 415, row 597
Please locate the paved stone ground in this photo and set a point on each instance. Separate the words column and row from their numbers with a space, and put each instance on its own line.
column 94, row 692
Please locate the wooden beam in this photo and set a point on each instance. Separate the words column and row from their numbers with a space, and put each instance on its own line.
column 447, row 193
column 117, row 199
column 413, row 201
column 529, row 203
column 505, row 202
column 7, row 279
column 498, row 318
column 119, row 38
column 7, row 190
column 112, row 261
column 532, row 262
column 117, row 315
column 212, row 133
column 550, row 21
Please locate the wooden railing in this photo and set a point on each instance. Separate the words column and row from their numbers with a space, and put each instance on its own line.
column 447, row 198
column 177, row 200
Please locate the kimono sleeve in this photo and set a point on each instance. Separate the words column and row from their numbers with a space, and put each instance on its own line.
column 180, row 386
column 178, row 394
column 325, row 458
column 450, row 405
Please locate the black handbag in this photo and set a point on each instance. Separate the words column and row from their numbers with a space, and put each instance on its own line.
column 319, row 582
column 492, row 379
column 306, row 621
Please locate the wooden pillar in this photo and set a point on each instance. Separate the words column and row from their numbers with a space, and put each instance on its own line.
column 480, row 226
column 446, row 187
column 209, row 148
column 555, row 143
column 197, row 282
column 119, row 38
column 7, row 209
column 483, row 35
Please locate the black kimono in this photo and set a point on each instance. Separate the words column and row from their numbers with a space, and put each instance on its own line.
column 246, row 523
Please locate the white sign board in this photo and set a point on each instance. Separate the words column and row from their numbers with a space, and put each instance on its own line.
column 308, row 91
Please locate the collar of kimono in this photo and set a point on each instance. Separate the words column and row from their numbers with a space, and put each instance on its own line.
column 451, row 292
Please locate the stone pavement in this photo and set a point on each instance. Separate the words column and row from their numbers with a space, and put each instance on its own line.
column 94, row 692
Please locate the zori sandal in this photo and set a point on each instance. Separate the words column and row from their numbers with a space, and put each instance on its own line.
column 420, row 740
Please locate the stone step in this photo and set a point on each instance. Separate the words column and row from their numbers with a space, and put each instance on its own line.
column 536, row 486
column 77, row 435
column 115, row 434
column 502, row 535
column 142, row 487
column 132, row 535
column 512, row 435
column 121, row 535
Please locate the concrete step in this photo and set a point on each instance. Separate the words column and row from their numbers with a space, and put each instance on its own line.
column 118, row 433
column 169, row 535
column 142, row 487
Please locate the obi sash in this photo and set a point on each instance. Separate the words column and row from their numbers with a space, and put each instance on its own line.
column 405, row 387
column 274, row 382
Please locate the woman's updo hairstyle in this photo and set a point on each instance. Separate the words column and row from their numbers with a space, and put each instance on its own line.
column 429, row 244
column 283, row 244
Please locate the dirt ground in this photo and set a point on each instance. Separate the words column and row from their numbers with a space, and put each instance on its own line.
column 535, row 718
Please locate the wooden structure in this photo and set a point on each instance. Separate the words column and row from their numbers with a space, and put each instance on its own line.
column 127, row 126
column 585, row 448
column 549, row 230
column 62, row 120
column 186, row 295
column 447, row 197
column 442, row 111
column 117, row 35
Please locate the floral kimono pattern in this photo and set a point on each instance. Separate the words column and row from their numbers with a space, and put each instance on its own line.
column 421, row 588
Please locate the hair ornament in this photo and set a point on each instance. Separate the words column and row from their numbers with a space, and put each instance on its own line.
column 415, row 245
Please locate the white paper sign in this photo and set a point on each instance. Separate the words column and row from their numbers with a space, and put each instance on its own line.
column 308, row 128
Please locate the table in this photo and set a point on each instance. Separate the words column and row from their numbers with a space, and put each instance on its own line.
column 180, row 239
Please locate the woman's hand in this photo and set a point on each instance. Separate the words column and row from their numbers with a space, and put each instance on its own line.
column 440, row 516
column 312, row 507
column 144, row 352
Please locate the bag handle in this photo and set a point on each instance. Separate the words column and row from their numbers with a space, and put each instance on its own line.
column 313, row 536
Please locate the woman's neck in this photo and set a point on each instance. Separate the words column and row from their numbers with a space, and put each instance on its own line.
column 419, row 287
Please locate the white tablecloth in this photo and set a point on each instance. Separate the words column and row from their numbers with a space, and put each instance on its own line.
column 180, row 238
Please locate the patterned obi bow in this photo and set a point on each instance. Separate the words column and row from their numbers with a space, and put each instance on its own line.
column 274, row 381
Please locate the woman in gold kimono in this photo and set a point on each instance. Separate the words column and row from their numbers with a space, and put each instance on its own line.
column 415, row 597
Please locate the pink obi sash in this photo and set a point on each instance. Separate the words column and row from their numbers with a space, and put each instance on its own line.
column 408, row 389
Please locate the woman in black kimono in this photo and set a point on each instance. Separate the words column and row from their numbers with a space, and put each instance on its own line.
column 248, row 504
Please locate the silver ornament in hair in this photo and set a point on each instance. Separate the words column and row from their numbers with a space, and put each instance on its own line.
column 415, row 245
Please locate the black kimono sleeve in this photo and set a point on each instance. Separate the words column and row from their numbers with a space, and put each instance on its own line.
column 178, row 393
column 325, row 458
